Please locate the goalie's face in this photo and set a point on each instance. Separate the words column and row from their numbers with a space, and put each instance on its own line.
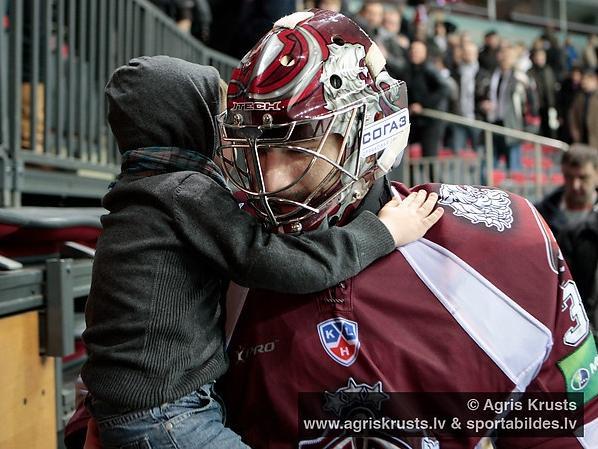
column 299, row 174
column 288, row 180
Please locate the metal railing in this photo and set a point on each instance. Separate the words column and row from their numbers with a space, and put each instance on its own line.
column 55, row 59
column 534, row 179
column 453, row 169
column 556, row 16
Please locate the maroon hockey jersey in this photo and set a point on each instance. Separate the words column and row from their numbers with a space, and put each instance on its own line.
column 484, row 303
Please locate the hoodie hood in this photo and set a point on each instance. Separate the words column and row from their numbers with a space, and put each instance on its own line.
column 161, row 101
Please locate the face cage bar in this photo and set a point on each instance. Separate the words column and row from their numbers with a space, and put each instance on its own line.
column 262, row 196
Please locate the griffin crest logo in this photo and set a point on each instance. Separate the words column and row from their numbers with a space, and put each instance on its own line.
column 479, row 205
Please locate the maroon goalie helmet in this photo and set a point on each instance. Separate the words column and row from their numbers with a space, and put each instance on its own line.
column 316, row 75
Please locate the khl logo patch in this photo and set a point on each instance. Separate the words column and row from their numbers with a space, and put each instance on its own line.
column 340, row 338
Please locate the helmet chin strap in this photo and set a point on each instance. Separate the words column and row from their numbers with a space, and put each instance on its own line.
column 377, row 195
column 360, row 189
column 350, row 200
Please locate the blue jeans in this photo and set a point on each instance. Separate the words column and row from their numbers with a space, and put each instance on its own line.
column 193, row 421
column 459, row 137
column 511, row 151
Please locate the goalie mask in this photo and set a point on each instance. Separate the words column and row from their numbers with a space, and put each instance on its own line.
column 314, row 94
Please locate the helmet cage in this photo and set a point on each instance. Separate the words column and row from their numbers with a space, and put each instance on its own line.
column 241, row 146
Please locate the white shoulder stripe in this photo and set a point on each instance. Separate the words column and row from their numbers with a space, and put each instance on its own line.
column 516, row 341
column 547, row 239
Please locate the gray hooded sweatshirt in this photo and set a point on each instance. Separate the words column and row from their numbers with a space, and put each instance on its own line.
column 172, row 241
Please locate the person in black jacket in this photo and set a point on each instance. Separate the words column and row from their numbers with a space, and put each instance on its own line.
column 427, row 89
column 579, row 244
column 545, row 80
column 572, row 202
column 570, row 86
column 488, row 57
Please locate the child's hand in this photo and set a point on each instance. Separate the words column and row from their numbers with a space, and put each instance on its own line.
column 409, row 219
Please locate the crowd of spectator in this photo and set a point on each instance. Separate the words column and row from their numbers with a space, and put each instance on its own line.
column 547, row 88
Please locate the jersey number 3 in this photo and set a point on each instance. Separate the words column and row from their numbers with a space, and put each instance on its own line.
column 572, row 301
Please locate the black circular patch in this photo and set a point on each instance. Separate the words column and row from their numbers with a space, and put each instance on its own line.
column 336, row 81
column 338, row 40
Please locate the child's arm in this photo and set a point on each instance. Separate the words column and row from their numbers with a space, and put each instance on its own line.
column 238, row 246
